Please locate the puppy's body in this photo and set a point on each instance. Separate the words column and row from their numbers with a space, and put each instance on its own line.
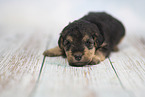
column 89, row 40
column 111, row 29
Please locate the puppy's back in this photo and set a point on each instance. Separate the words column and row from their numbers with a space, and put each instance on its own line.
column 111, row 28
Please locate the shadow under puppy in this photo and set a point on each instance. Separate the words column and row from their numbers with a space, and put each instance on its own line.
column 89, row 40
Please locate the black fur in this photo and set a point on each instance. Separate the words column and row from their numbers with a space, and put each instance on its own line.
column 104, row 32
column 110, row 28
column 101, row 26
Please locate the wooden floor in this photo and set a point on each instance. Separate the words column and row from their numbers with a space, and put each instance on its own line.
column 25, row 72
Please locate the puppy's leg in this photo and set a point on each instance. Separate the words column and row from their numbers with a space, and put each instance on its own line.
column 115, row 49
column 53, row 52
column 101, row 54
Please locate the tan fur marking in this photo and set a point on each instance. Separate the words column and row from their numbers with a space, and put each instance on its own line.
column 121, row 39
column 103, row 44
column 53, row 52
column 97, row 58
column 87, row 57
column 69, row 38
column 100, row 55
column 70, row 58
column 115, row 48
column 85, row 38
column 88, row 54
column 77, row 53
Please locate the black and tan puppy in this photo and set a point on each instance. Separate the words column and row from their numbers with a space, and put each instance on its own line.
column 89, row 40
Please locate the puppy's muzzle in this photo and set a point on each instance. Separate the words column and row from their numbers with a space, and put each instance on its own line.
column 78, row 60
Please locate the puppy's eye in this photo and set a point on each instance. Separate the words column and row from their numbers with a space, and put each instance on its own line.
column 66, row 43
column 89, row 43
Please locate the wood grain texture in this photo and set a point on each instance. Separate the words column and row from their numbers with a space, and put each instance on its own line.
column 129, row 64
column 20, row 61
column 58, row 79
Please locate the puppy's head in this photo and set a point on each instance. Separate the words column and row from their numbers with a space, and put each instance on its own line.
column 79, row 40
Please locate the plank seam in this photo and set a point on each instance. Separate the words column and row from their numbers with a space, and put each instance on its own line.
column 37, row 82
column 131, row 94
column 116, row 73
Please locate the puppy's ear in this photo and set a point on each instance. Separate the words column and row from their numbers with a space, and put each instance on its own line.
column 53, row 52
column 60, row 42
column 99, row 39
column 98, row 35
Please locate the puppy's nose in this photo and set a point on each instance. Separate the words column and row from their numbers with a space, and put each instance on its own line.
column 78, row 57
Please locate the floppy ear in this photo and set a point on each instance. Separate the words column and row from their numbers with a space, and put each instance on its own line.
column 60, row 42
column 53, row 52
column 98, row 35
column 99, row 39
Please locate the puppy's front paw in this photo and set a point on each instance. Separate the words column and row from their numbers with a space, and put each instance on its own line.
column 97, row 60
column 53, row 52
column 94, row 61
column 48, row 53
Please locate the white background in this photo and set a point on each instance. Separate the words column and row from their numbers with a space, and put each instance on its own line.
column 53, row 15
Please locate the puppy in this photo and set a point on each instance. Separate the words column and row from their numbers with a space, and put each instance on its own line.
column 89, row 40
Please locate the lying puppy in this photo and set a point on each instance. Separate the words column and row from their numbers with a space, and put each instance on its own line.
column 89, row 40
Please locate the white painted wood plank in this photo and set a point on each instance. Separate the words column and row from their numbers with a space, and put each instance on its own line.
column 58, row 79
column 20, row 61
column 11, row 42
column 129, row 64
